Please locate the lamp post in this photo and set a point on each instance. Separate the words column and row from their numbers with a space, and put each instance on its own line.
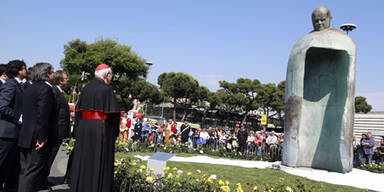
column 348, row 27
column 149, row 64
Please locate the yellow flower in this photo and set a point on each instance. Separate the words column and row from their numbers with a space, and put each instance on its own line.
column 133, row 164
column 169, row 175
column 177, row 176
column 149, row 179
column 239, row 189
column 142, row 167
column 197, row 180
column 116, row 163
column 289, row 189
column 189, row 173
column 255, row 188
column 225, row 188
column 174, row 169
column 227, row 182
column 198, row 171
column 221, row 182
column 152, row 170
column 166, row 169
column 210, row 180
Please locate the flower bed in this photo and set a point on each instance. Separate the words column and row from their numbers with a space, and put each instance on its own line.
column 375, row 168
column 183, row 148
column 132, row 176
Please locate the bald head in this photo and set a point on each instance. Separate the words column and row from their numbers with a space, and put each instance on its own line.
column 321, row 18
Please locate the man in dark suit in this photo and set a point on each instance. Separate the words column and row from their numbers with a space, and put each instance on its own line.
column 3, row 74
column 11, row 103
column 62, row 128
column 36, row 134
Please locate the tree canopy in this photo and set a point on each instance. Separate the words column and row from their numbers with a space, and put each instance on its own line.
column 129, row 69
column 361, row 105
column 179, row 86
column 245, row 92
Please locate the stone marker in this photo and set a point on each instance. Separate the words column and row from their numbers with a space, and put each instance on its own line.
column 158, row 161
column 319, row 97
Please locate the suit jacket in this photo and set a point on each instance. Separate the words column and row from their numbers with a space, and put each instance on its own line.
column 63, row 115
column 11, row 103
column 39, row 116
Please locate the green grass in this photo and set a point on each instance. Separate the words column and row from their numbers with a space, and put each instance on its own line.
column 248, row 177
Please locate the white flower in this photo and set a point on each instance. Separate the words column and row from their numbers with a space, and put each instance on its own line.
column 179, row 172
column 213, row 177
column 201, row 151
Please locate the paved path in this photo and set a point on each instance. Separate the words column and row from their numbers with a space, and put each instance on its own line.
column 58, row 171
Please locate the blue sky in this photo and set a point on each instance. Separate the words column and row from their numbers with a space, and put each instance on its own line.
column 210, row 40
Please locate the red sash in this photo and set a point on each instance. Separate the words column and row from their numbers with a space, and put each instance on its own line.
column 95, row 115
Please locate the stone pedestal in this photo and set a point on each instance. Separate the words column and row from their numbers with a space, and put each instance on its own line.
column 319, row 96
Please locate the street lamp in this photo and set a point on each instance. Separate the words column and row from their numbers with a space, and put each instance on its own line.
column 348, row 27
column 149, row 64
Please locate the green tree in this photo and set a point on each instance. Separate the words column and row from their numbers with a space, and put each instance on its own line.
column 228, row 101
column 277, row 105
column 246, row 91
column 128, row 68
column 200, row 101
column 361, row 105
column 178, row 86
column 271, row 98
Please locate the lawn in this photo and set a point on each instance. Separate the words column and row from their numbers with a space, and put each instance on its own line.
column 248, row 177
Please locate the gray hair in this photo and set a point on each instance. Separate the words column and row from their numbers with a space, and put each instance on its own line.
column 41, row 71
column 102, row 73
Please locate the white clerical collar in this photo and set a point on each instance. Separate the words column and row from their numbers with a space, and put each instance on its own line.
column 59, row 88
column 18, row 80
column 48, row 83
column 2, row 80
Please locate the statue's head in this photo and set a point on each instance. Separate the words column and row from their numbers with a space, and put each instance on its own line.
column 321, row 18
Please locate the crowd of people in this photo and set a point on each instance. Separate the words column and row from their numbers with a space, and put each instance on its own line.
column 232, row 139
column 365, row 150
column 34, row 119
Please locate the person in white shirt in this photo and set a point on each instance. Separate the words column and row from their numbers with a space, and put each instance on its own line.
column 250, row 143
column 204, row 136
column 271, row 141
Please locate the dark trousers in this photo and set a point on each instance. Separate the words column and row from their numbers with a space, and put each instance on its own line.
column 9, row 164
column 51, row 157
column 242, row 146
column 33, row 169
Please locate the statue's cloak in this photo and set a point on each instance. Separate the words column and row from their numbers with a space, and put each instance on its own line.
column 319, row 97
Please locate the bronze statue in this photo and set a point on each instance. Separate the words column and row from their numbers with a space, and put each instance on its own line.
column 321, row 18
column 319, row 97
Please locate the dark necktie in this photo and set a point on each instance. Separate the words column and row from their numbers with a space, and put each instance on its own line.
column 21, row 86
